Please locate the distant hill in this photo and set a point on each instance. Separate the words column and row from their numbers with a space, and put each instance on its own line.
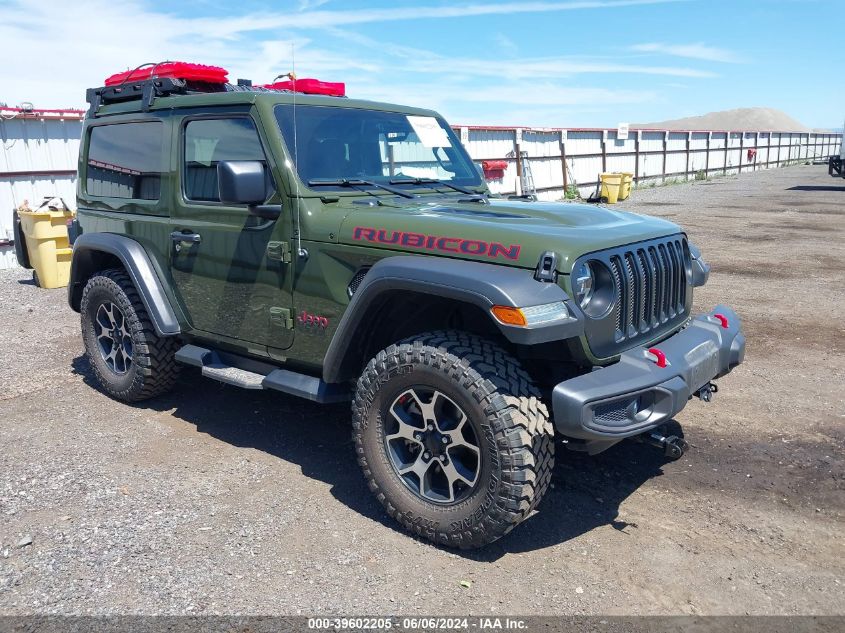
column 738, row 119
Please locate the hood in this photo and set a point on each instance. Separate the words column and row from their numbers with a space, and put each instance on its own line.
column 506, row 232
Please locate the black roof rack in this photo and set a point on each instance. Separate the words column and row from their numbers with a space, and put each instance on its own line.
column 146, row 91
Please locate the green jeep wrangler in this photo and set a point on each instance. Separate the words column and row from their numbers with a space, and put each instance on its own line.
column 344, row 250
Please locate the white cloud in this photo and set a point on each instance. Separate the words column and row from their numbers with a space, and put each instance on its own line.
column 307, row 5
column 512, row 102
column 425, row 61
column 547, row 67
column 55, row 51
column 547, row 94
column 324, row 18
column 690, row 51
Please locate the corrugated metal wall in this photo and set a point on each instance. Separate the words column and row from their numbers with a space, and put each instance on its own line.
column 40, row 150
column 39, row 156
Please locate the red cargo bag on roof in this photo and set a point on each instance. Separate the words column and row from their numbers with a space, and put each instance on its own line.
column 310, row 87
column 173, row 70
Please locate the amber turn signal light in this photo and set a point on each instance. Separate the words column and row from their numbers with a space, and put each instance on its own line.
column 509, row 315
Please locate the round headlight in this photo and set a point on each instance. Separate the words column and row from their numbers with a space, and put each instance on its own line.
column 593, row 288
column 583, row 283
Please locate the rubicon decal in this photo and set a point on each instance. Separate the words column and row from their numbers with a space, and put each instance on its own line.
column 459, row 245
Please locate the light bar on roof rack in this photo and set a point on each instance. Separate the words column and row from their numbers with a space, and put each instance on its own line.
column 145, row 91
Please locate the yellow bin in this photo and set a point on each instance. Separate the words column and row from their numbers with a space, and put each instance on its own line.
column 610, row 185
column 627, row 181
column 48, row 246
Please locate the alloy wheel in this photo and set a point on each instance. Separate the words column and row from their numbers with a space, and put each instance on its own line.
column 432, row 445
column 113, row 338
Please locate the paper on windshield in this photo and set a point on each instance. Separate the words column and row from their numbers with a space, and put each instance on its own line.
column 429, row 131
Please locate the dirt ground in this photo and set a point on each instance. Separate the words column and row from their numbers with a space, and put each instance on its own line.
column 215, row 500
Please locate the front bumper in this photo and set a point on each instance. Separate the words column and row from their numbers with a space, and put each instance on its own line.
column 635, row 394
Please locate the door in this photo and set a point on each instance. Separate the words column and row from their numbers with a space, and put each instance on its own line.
column 228, row 265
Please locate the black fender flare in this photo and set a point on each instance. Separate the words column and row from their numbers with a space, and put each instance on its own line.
column 137, row 264
column 477, row 283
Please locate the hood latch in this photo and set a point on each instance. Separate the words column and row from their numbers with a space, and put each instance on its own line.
column 546, row 270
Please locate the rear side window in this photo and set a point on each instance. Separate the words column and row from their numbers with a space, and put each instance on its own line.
column 125, row 160
column 209, row 141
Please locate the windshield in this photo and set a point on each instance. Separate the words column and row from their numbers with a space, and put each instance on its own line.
column 344, row 143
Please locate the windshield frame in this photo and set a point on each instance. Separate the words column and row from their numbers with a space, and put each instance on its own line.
column 473, row 181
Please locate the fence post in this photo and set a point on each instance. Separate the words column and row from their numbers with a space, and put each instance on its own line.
column 727, row 142
column 562, row 142
column 768, row 150
column 637, row 156
column 517, row 150
column 688, row 168
column 707, row 157
column 603, row 151
column 665, row 149
column 741, row 150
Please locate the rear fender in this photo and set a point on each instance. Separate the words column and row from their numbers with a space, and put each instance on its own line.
column 91, row 249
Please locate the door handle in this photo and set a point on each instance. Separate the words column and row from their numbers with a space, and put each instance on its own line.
column 182, row 238
column 179, row 236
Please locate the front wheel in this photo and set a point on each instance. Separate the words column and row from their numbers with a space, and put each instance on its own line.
column 452, row 437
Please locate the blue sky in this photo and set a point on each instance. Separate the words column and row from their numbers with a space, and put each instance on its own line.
column 577, row 63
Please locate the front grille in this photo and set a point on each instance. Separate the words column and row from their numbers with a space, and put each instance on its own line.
column 651, row 286
column 652, row 293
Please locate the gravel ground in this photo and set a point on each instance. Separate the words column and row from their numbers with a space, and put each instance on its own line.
column 215, row 500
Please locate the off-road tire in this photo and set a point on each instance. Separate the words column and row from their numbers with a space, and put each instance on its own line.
column 153, row 369
column 502, row 403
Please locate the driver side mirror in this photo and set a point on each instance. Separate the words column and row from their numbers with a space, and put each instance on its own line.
column 241, row 182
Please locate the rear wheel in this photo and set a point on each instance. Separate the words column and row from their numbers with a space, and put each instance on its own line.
column 131, row 362
column 452, row 437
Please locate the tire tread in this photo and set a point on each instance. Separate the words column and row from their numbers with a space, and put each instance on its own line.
column 518, row 418
column 154, row 355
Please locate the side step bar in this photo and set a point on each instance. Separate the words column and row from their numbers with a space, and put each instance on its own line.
column 248, row 374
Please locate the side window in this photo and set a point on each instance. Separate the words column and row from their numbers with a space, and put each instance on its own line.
column 125, row 160
column 209, row 141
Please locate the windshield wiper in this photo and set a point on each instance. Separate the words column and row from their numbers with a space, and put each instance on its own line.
column 356, row 182
column 432, row 181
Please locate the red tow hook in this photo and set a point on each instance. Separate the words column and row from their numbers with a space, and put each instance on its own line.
column 722, row 319
column 658, row 357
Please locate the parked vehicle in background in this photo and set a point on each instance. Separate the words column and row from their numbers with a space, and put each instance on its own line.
column 344, row 250
column 836, row 164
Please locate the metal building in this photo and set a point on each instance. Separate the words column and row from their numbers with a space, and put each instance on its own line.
column 40, row 149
